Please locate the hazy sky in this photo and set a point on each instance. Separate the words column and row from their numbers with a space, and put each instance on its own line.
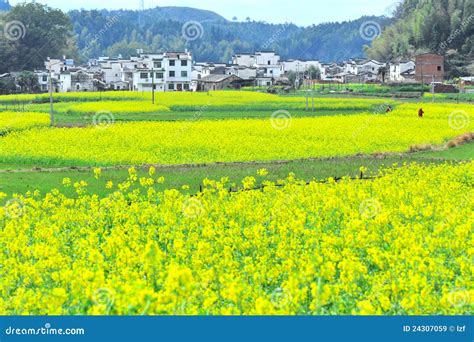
column 302, row 12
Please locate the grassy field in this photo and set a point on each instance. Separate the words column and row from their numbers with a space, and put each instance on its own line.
column 192, row 176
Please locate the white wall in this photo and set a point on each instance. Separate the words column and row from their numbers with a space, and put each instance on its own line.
column 244, row 60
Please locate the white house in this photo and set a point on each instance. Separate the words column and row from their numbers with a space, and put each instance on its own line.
column 299, row 66
column 333, row 72
column 362, row 66
column 269, row 63
column 112, row 71
column 370, row 66
column 267, row 58
column 244, row 59
column 266, row 64
column 168, row 71
column 43, row 79
column 59, row 65
column 76, row 80
column 399, row 70
column 245, row 73
column 360, row 70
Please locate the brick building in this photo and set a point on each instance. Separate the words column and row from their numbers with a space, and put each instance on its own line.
column 429, row 68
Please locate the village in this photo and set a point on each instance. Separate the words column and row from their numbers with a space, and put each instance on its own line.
column 177, row 71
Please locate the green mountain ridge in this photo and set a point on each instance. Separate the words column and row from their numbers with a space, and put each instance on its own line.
column 217, row 39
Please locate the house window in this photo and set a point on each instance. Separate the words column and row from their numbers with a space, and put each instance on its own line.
column 172, row 62
column 157, row 65
column 184, row 74
column 45, row 78
column 143, row 75
column 159, row 75
column 172, row 74
column 171, row 87
column 186, row 86
column 269, row 62
column 439, row 68
column 184, row 63
column 269, row 84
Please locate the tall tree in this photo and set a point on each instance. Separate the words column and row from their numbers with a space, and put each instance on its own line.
column 33, row 32
column 436, row 26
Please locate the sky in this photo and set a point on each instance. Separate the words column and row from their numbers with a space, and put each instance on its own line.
column 300, row 12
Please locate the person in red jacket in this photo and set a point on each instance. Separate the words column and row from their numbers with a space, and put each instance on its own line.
column 420, row 113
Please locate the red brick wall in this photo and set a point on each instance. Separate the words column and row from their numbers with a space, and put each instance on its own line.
column 429, row 66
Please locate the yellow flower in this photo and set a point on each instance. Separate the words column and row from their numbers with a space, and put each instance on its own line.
column 366, row 308
column 97, row 172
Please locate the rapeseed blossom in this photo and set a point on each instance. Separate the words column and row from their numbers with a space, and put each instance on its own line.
column 292, row 249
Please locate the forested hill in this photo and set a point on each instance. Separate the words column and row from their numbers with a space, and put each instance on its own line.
column 438, row 26
column 210, row 36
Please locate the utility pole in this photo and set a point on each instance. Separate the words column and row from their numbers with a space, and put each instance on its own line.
column 422, row 81
column 152, row 82
column 51, row 106
column 51, row 109
column 433, row 89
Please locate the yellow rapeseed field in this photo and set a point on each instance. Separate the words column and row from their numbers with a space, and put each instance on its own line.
column 230, row 140
column 114, row 107
column 10, row 121
column 400, row 244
